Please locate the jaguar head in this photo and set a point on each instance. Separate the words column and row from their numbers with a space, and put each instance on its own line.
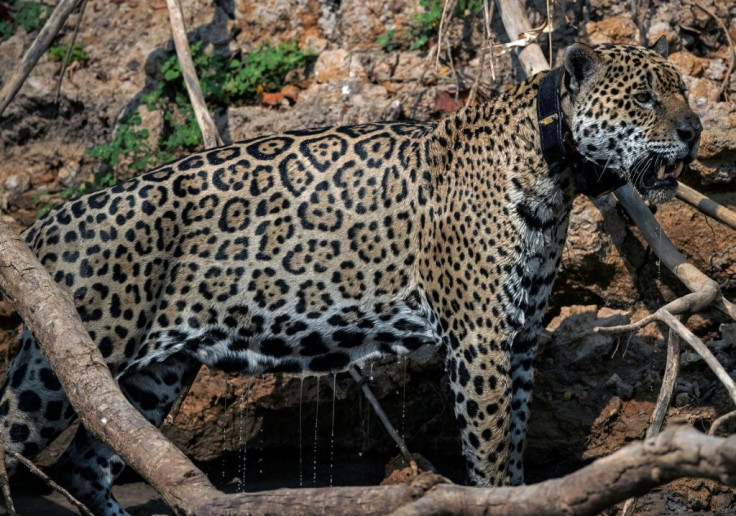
column 628, row 113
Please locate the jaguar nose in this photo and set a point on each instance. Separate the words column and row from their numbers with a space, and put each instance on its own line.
column 689, row 129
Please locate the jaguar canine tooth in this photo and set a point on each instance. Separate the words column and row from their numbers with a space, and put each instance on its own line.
column 660, row 172
column 678, row 169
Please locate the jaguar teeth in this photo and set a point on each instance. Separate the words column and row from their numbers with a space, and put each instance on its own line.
column 678, row 169
column 660, row 172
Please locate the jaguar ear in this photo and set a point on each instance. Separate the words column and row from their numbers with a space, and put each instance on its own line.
column 581, row 63
column 661, row 47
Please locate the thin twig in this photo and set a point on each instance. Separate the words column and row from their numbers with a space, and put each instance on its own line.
column 49, row 31
column 662, row 315
column 706, row 205
column 487, row 18
column 53, row 485
column 671, row 370
column 5, row 483
column 447, row 11
column 702, row 350
column 382, row 416
column 732, row 52
column 454, row 76
column 69, row 51
column 725, row 418
column 487, row 43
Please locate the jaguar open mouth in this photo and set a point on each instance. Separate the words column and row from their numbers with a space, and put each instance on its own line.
column 658, row 182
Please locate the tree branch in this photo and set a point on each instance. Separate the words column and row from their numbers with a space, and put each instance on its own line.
column 210, row 136
column 49, row 31
column 50, row 314
column 706, row 205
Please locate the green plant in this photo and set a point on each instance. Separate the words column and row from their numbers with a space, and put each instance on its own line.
column 21, row 13
column 224, row 82
column 263, row 69
column 426, row 24
column 388, row 41
column 58, row 53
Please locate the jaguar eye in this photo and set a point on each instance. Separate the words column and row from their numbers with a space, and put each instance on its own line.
column 643, row 97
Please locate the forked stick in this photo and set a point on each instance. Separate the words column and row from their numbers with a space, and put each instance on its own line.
column 43, row 476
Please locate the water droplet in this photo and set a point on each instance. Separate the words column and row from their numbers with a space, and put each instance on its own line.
column 403, row 405
column 332, row 429
column 301, row 456
column 224, row 427
column 316, row 419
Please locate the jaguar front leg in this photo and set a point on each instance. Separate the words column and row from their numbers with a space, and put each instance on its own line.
column 523, row 352
column 479, row 368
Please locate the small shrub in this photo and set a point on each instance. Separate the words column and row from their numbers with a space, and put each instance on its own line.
column 20, row 13
column 426, row 24
column 224, row 82
column 59, row 53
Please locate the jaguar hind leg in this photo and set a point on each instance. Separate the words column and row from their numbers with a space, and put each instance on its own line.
column 90, row 467
column 33, row 407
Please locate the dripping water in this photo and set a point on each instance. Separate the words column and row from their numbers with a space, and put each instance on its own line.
column 241, row 443
column 261, row 446
column 244, row 397
column 332, row 429
column 301, row 456
column 659, row 260
column 316, row 419
column 403, row 404
column 224, row 428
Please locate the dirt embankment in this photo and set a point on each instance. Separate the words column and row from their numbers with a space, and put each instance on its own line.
column 593, row 393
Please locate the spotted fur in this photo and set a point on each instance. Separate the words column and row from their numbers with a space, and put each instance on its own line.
column 307, row 251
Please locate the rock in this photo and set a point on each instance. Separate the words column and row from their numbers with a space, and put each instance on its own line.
column 623, row 390
column 573, row 334
column 611, row 30
column 16, row 184
column 688, row 63
column 332, row 65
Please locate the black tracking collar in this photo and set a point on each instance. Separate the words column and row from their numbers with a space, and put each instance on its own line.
column 590, row 179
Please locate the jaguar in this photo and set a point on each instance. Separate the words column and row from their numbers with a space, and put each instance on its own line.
column 307, row 251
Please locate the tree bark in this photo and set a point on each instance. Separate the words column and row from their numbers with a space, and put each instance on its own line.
column 93, row 392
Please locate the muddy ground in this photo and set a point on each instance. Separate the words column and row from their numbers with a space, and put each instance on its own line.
column 593, row 393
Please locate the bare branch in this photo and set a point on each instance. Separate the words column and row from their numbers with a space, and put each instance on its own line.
column 360, row 380
column 676, row 452
column 43, row 476
column 516, row 23
column 209, row 132
column 706, row 205
column 447, row 12
column 702, row 350
column 92, row 391
column 50, row 29
column 690, row 276
column 671, row 370
column 69, row 51
column 725, row 418
column 5, row 484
